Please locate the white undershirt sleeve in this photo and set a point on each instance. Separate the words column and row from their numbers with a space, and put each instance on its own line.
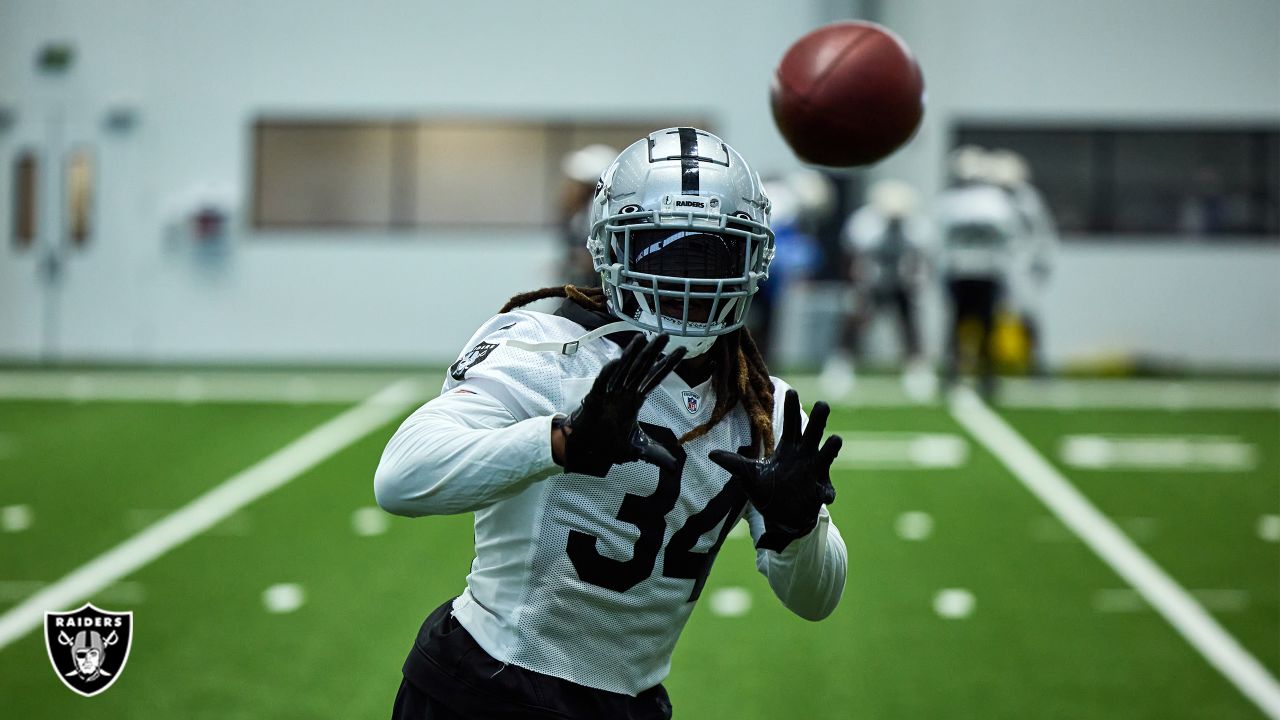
column 461, row 452
column 808, row 576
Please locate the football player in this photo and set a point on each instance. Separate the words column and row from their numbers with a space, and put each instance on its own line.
column 607, row 450
column 1035, row 251
column 886, row 248
column 979, row 224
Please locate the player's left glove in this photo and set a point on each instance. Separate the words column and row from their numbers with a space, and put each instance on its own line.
column 791, row 485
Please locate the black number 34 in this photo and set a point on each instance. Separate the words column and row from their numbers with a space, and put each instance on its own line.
column 648, row 512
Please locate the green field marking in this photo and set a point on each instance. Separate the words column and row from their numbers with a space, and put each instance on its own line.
column 1206, row 524
column 84, row 471
column 1033, row 647
column 210, row 508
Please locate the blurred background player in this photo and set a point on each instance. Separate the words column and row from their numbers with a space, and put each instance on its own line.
column 582, row 169
column 978, row 224
column 1033, row 252
column 801, row 200
column 885, row 258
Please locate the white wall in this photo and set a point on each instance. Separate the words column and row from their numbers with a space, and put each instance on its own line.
column 1102, row 60
column 1201, row 305
column 200, row 72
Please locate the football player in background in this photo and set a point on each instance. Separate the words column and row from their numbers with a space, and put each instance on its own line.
column 1034, row 250
column 886, row 244
column 607, row 450
column 798, row 202
column 978, row 224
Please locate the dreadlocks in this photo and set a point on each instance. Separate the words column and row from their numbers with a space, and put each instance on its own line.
column 739, row 373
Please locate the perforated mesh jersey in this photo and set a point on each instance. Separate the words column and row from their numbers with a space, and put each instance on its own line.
column 591, row 579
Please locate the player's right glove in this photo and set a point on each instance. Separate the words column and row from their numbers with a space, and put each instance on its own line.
column 603, row 430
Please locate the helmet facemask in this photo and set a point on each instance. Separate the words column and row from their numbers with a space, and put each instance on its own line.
column 676, row 260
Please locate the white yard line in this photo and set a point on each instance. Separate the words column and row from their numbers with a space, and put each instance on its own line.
column 900, row 450
column 1159, row 453
column 1164, row 594
column 204, row 512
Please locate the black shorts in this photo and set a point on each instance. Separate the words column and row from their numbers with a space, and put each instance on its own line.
column 448, row 675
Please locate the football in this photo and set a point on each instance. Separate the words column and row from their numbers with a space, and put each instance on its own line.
column 847, row 94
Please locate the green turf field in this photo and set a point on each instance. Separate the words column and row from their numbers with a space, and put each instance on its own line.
column 967, row 597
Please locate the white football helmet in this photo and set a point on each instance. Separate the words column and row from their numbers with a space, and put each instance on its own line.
column 680, row 236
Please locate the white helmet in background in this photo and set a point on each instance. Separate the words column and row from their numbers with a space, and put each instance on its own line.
column 893, row 198
column 784, row 206
column 968, row 163
column 1007, row 168
column 585, row 164
column 680, row 236
column 814, row 192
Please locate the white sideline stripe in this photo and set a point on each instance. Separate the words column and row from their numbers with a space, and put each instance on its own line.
column 1177, row 606
column 1072, row 394
column 230, row 386
column 268, row 474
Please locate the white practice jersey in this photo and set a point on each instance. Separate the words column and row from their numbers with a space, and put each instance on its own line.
column 584, row 578
column 978, row 224
column 895, row 256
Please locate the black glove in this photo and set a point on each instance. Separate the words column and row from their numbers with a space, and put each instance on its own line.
column 792, row 484
column 603, row 430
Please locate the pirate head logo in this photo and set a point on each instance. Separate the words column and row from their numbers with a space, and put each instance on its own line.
column 691, row 400
column 458, row 370
column 88, row 647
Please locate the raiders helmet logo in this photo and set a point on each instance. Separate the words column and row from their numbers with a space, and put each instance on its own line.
column 690, row 401
column 88, row 647
column 473, row 357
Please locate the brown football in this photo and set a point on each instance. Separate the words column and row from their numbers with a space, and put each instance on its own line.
column 847, row 94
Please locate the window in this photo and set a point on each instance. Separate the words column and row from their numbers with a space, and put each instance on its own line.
column 1159, row 181
column 24, row 200
column 324, row 174
column 79, row 197
column 420, row 173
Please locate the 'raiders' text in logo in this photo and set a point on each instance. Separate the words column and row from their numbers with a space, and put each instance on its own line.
column 88, row 647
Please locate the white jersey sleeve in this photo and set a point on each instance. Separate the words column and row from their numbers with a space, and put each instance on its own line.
column 446, row 457
column 809, row 575
column 486, row 437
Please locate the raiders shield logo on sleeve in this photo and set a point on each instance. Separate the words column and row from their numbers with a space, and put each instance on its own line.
column 88, row 647
column 458, row 370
